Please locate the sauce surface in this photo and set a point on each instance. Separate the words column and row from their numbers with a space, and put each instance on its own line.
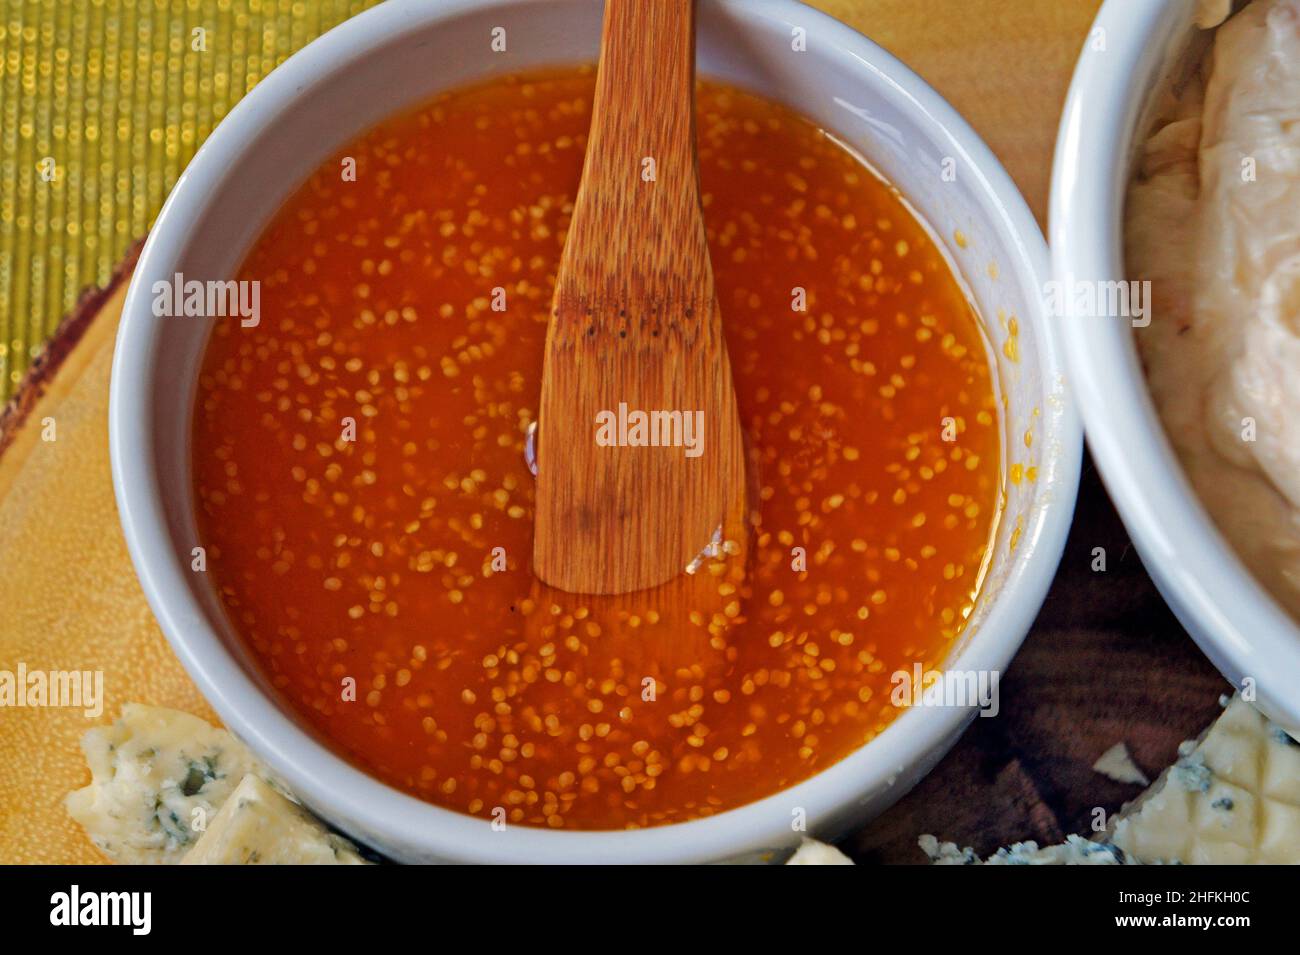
column 366, row 507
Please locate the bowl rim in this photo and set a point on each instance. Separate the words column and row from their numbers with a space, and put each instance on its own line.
column 340, row 790
column 1238, row 625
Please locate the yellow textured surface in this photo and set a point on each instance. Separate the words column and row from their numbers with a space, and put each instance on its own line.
column 71, row 602
column 68, row 594
column 102, row 102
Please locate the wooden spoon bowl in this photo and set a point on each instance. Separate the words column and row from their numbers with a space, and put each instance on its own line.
column 639, row 447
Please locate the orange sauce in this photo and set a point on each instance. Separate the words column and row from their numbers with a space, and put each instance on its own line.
column 363, row 495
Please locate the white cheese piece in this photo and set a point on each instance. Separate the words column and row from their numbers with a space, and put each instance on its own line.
column 812, row 852
column 155, row 774
column 1234, row 797
column 259, row 826
column 1117, row 764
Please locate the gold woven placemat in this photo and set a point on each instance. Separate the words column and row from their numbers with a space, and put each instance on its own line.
column 102, row 103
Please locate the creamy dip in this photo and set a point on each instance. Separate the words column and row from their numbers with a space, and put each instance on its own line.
column 1213, row 222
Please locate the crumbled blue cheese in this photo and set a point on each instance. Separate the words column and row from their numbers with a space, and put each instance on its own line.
column 947, row 853
column 157, row 775
column 1076, row 850
column 1191, row 773
column 259, row 826
column 812, row 852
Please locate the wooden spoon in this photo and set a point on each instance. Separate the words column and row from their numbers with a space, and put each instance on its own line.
column 635, row 331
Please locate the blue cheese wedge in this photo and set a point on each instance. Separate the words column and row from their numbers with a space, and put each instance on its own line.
column 159, row 777
column 259, row 826
column 812, row 852
column 1233, row 797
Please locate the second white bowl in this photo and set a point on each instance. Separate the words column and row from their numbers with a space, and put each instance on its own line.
column 1131, row 54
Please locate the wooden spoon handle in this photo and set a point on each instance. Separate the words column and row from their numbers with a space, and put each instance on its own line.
column 639, row 199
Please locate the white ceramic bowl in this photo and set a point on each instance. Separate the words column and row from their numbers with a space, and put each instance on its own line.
column 1238, row 625
column 400, row 53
